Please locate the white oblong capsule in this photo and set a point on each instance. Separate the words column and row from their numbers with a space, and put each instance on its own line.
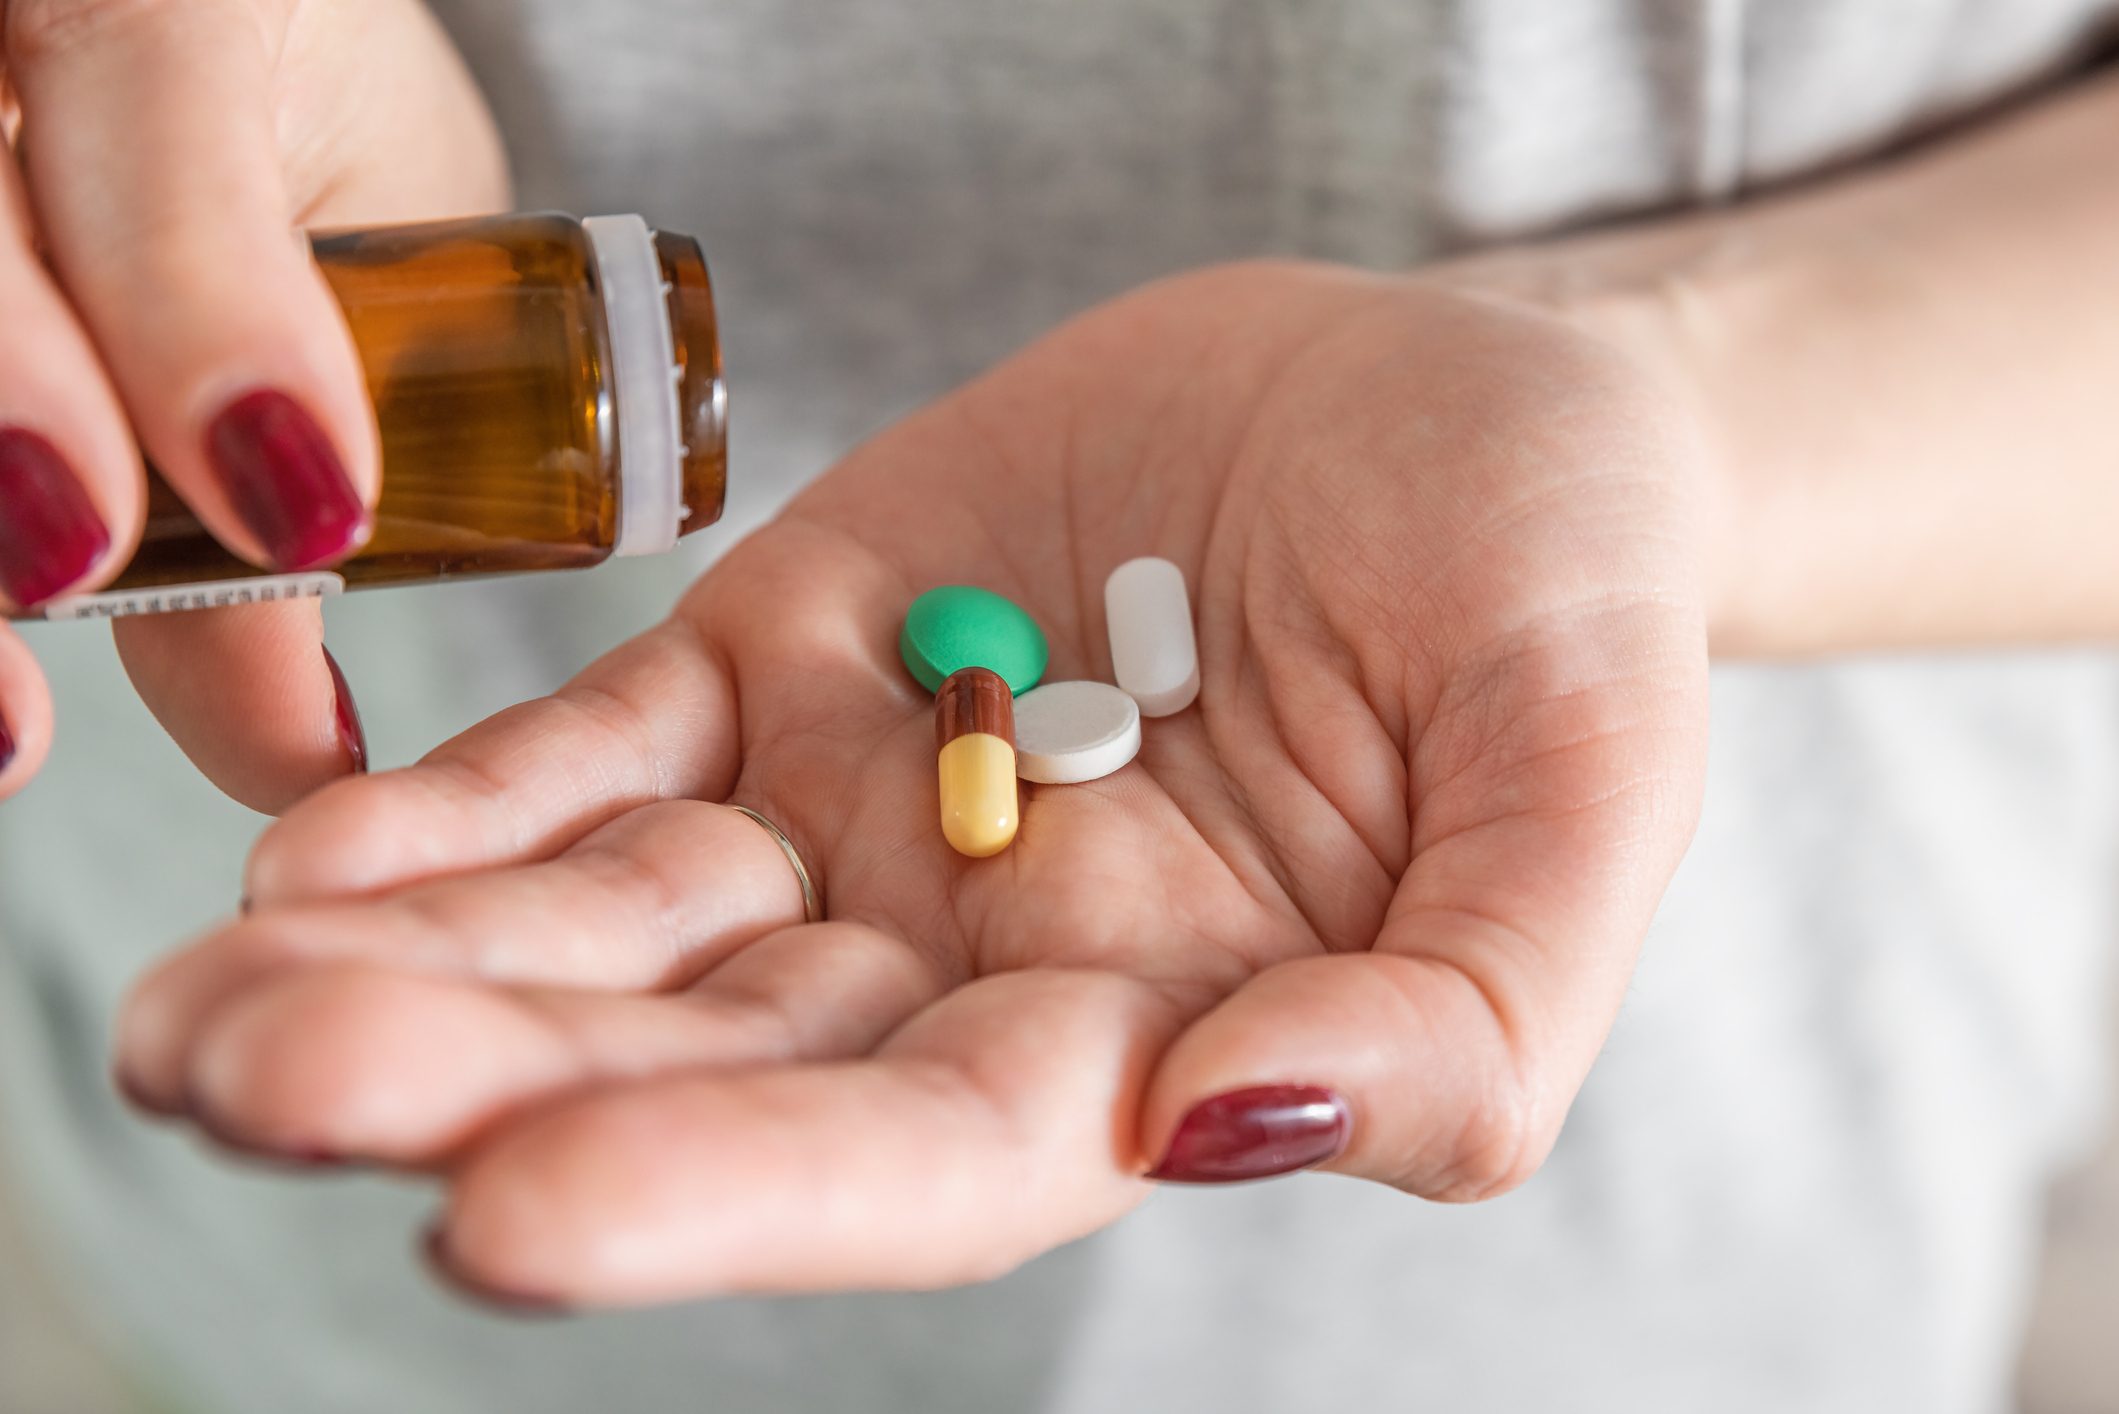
column 1149, row 618
column 1070, row 732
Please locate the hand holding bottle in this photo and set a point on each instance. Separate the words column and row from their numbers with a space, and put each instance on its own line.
column 157, row 301
column 1376, row 896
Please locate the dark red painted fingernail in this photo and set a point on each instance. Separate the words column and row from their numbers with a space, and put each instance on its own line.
column 284, row 481
column 442, row 1262
column 1255, row 1133
column 296, row 1160
column 302, row 1157
column 131, row 1091
column 50, row 534
column 348, row 714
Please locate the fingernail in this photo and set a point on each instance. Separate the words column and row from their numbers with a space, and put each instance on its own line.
column 285, row 481
column 50, row 534
column 131, row 1091
column 1255, row 1133
column 285, row 1160
column 442, row 1262
column 303, row 1157
column 350, row 735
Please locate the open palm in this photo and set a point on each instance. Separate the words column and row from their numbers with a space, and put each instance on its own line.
column 1447, row 749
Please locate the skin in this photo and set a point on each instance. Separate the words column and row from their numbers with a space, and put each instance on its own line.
column 148, row 274
column 1460, row 542
column 1405, row 846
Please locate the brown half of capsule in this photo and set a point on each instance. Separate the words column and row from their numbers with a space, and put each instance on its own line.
column 973, row 700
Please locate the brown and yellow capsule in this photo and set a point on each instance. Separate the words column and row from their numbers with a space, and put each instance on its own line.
column 974, row 736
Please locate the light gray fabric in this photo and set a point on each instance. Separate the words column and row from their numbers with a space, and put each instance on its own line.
column 1805, row 1174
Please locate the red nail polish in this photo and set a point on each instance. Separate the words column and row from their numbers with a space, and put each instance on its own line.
column 284, row 1160
column 350, row 735
column 296, row 1157
column 1255, row 1133
column 434, row 1247
column 131, row 1091
column 285, row 481
column 50, row 534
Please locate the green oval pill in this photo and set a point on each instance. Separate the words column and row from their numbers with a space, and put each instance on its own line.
column 959, row 626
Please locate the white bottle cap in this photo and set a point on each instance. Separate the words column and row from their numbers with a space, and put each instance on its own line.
column 643, row 384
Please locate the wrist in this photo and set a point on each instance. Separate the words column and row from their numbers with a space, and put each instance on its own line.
column 1664, row 299
column 1903, row 380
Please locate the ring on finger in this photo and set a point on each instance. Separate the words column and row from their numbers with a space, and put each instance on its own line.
column 812, row 902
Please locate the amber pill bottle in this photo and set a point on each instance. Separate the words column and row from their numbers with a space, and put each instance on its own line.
column 549, row 394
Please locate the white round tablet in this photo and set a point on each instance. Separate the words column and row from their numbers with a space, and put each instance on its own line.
column 1070, row 732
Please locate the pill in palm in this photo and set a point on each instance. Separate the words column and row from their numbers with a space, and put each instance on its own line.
column 974, row 737
column 1070, row 732
column 1149, row 619
column 960, row 626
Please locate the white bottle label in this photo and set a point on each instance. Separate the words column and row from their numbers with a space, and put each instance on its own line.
column 171, row 598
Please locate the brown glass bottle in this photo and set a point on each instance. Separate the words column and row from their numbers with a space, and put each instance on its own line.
column 548, row 392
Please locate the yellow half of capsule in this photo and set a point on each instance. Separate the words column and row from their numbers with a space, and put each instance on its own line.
column 978, row 794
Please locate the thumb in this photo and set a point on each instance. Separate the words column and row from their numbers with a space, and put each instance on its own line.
column 251, row 695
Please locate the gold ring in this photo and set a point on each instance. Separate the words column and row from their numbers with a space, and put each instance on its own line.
column 812, row 905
